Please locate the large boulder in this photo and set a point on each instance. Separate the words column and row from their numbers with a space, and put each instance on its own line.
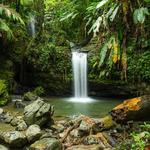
column 14, row 139
column 38, row 113
column 33, row 133
column 4, row 96
column 46, row 144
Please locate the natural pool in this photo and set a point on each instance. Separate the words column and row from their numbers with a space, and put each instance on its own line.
column 64, row 107
column 98, row 107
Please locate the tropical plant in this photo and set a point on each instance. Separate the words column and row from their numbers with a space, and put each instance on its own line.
column 8, row 15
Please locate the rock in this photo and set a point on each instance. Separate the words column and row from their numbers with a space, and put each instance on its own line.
column 46, row 144
column 2, row 136
column 1, row 111
column 48, row 133
column 16, row 120
column 33, row 133
column 110, row 140
column 22, row 126
column 29, row 96
column 134, row 109
column 7, row 118
column 59, row 128
column 1, row 115
column 15, row 139
column 97, row 139
column 2, row 147
column 38, row 113
column 18, row 103
column 76, row 133
column 86, row 147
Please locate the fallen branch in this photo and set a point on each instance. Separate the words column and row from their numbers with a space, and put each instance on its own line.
column 76, row 125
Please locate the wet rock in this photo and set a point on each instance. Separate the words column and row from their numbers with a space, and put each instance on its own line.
column 2, row 147
column 38, row 113
column 33, row 133
column 86, row 147
column 46, row 144
column 15, row 139
column 18, row 103
column 22, row 126
column 29, row 96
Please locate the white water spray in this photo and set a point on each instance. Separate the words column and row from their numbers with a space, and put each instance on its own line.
column 79, row 61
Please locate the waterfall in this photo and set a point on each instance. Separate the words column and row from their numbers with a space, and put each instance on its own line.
column 31, row 26
column 79, row 61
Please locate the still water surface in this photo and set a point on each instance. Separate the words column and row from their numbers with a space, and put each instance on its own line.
column 94, row 108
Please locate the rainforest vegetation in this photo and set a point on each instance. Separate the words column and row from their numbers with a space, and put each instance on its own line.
column 36, row 41
column 116, row 34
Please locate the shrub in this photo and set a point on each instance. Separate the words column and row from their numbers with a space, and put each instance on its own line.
column 4, row 96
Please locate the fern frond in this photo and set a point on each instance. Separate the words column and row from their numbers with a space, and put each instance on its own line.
column 5, row 28
column 11, row 14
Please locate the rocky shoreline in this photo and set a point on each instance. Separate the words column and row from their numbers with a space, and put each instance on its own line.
column 37, row 130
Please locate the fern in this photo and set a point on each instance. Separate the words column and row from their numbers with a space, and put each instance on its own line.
column 7, row 15
column 5, row 28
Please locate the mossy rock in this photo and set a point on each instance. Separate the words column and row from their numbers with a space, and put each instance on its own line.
column 29, row 96
column 4, row 96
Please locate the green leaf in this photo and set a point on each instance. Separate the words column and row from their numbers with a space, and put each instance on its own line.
column 102, row 3
column 148, row 1
column 26, row 2
column 10, row 14
column 114, row 13
column 139, row 15
column 5, row 28
column 95, row 27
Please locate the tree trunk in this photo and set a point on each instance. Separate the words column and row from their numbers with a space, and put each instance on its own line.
column 136, row 109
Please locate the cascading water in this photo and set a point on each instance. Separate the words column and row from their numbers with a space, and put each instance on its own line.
column 31, row 26
column 79, row 61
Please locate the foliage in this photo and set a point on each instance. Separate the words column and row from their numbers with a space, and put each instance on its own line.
column 4, row 96
column 38, row 91
column 139, row 15
column 140, row 140
column 119, row 45
column 139, row 67
column 8, row 15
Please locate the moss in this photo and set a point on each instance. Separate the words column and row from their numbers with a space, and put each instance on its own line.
column 30, row 96
column 4, row 96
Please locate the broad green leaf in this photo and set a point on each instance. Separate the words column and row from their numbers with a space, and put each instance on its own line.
column 95, row 27
column 139, row 15
column 111, row 10
column 102, row 3
column 26, row 2
column 114, row 13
